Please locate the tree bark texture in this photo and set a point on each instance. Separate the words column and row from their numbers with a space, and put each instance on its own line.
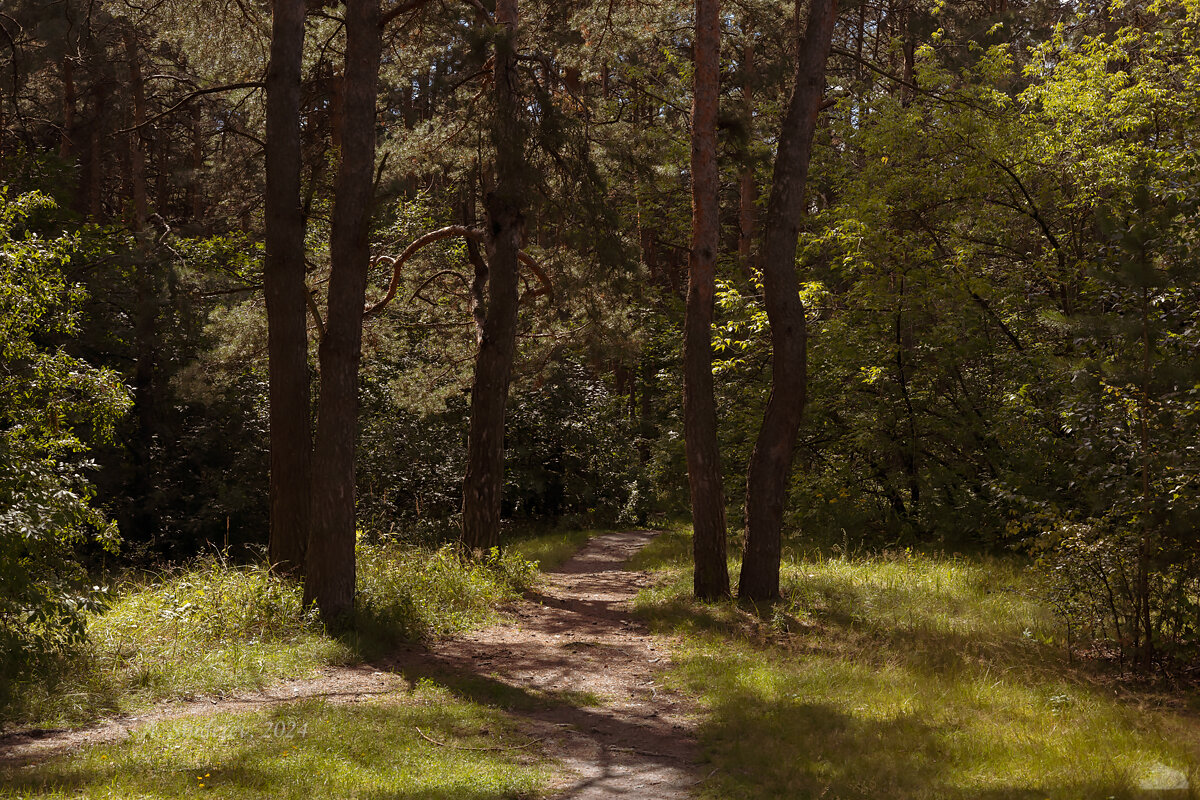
column 484, row 481
column 711, row 575
column 137, row 152
column 330, row 569
column 285, row 290
column 145, row 523
column 747, row 189
column 770, row 464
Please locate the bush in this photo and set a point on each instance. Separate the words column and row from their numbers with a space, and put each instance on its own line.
column 1106, row 582
column 51, row 405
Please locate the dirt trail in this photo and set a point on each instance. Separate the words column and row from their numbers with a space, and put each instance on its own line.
column 586, row 674
column 575, row 638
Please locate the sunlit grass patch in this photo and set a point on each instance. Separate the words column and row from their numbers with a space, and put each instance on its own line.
column 208, row 629
column 422, row 744
column 407, row 593
column 213, row 628
column 551, row 550
column 904, row 675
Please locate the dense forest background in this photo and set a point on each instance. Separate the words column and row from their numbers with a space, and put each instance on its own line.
column 997, row 259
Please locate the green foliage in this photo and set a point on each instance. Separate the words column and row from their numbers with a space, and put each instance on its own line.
column 173, row 480
column 407, row 593
column 212, row 603
column 570, row 450
column 1121, row 552
column 208, row 629
column 569, row 447
column 1091, row 573
column 52, row 405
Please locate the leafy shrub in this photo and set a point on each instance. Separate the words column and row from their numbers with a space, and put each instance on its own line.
column 1119, row 594
column 51, row 404
column 212, row 602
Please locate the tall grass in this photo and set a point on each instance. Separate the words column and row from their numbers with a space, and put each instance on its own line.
column 550, row 550
column 905, row 675
column 214, row 627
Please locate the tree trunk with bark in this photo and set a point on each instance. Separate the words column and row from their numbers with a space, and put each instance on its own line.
column 145, row 522
column 711, row 576
column 747, row 189
column 770, row 464
column 286, row 296
column 330, row 569
column 484, row 481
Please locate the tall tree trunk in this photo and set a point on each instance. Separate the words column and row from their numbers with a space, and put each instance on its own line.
column 92, row 178
column 162, row 158
column 747, row 189
column 137, row 152
column 145, row 328
column 66, row 148
column 770, row 464
column 286, row 295
column 711, row 576
column 329, row 573
column 484, row 481
column 195, row 196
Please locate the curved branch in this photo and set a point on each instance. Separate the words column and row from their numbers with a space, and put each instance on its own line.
column 536, row 268
column 469, row 233
column 229, row 87
column 398, row 261
column 433, row 278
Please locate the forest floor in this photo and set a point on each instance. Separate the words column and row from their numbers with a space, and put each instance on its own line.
column 578, row 678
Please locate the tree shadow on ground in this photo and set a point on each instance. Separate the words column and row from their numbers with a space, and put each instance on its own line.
column 369, row 750
column 796, row 749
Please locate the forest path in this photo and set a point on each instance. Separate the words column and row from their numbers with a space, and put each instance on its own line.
column 574, row 643
column 568, row 661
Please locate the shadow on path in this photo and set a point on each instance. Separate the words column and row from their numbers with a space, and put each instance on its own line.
column 574, row 662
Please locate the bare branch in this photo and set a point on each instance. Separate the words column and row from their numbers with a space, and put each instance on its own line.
column 536, row 268
column 450, row 231
column 398, row 261
column 190, row 97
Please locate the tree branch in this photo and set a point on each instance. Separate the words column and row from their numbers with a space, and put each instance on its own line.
column 190, row 97
column 469, row 233
column 1035, row 213
column 316, row 315
column 398, row 9
column 398, row 261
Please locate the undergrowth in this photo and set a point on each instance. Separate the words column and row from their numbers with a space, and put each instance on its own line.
column 214, row 627
column 907, row 675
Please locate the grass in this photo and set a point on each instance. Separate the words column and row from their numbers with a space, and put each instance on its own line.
column 306, row 750
column 214, row 628
column 904, row 675
column 551, row 550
